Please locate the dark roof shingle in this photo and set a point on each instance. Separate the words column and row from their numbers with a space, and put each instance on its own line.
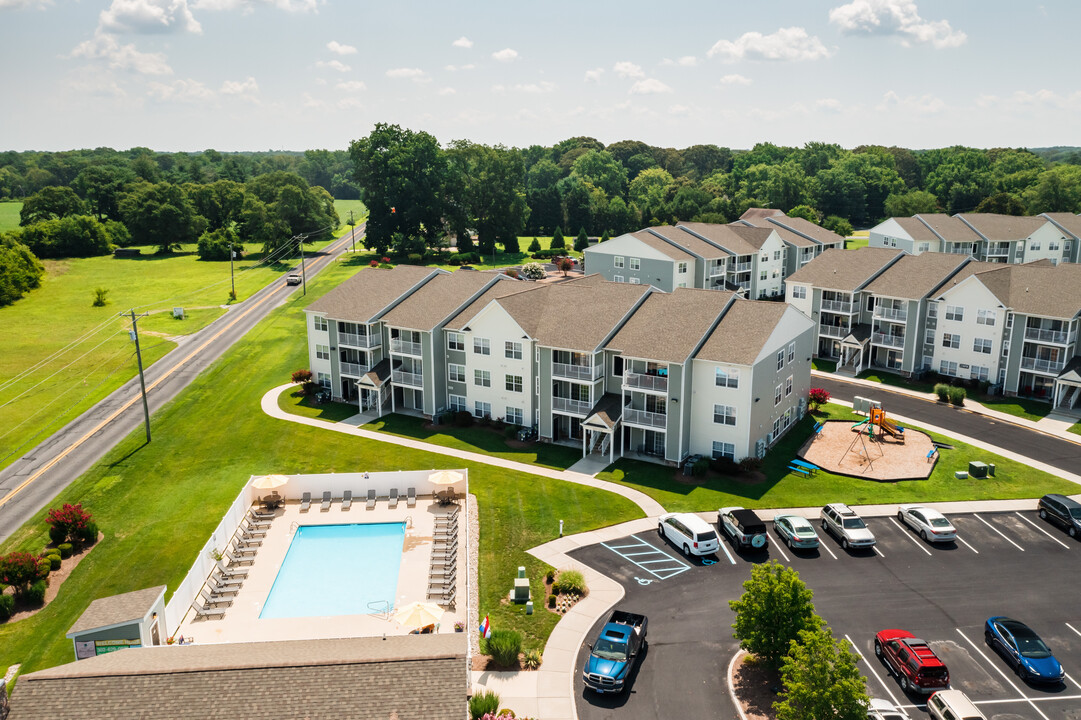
column 845, row 270
column 667, row 327
column 364, row 296
column 117, row 609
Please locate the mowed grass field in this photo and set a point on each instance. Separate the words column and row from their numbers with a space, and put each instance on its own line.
column 9, row 215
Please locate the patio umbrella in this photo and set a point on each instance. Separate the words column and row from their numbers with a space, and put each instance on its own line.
column 445, row 477
column 418, row 614
column 269, row 482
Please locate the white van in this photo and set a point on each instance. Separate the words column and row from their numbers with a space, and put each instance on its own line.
column 952, row 705
column 688, row 532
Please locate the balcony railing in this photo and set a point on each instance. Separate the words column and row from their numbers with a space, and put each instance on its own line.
column 574, row 407
column 644, row 417
column 888, row 340
column 744, row 266
column 841, row 306
column 656, row 383
column 888, row 313
column 405, row 347
column 834, row 331
column 576, row 372
column 359, row 341
column 354, row 369
column 745, row 285
column 1044, row 366
column 407, row 378
column 1058, row 337
column 1003, row 249
column 718, row 270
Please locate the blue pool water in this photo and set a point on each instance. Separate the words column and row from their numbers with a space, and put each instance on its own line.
column 337, row 570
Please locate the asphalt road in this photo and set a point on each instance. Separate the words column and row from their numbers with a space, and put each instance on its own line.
column 31, row 482
column 1049, row 449
column 1008, row 564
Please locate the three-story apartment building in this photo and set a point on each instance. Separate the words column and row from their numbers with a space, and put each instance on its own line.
column 803, row 239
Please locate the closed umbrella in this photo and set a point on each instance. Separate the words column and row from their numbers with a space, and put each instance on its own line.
column 418, row 614
column 269, row 482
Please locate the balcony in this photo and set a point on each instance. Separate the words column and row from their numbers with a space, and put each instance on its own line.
column 650, row 383
column 841, row 306
column 359, row 341
column 400, row 377
column 1042, row 366
column 834, row 331
column 644, row 417
column 718, row 271
column 405, row 347
column 998, row 249
column 896, row 341
column 573, row 407
column 576, row 372
column 745, row 285
column 354, row 369
column 743, row 267
column 1058, row 337
column 888, row 313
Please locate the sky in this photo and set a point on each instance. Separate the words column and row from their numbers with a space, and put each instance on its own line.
column 240, row 75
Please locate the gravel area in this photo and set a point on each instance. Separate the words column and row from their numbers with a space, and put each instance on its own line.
column 473, row 607
column 889, row 458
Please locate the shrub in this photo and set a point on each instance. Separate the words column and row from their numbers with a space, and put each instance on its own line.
column 535, row 245
column 511, row 244
column 101, row 297
column 532, row 659
column 69, row 519
column 65, row 550
column 36, row 594
column 571, row 581
column 54, row 562
column 551, row 253
column 552, row 601
column 374, row 263
column 58, row 533
column 465, row 243
column 818, row 397
column 943, row 391
column 725, row 466
column 750, row 463
column 88, row 535
column 7, row 607
column 482, row 704
column 557, row 240
column 550, row 576
column 504, row 646
column 414, row 258
column 510, row 432
column 957, row 396
column 463, row 418
column 534, row 271
column 469, row 258
column 511, row 272
column 301, row 376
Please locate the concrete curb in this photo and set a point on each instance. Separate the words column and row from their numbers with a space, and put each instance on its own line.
column 731, row 688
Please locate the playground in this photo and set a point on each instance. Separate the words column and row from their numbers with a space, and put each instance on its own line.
column 874, row 448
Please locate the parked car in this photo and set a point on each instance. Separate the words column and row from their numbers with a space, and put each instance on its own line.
column 797, row 532
column 847, row 526
column 689, row 532
column 952, row 705
column 743, row 527
column 1063, row 511
column 912, row 660
column 1023, row 649
column 618, row 647
column 293, row 279
column 880, row 709
column 931, row 525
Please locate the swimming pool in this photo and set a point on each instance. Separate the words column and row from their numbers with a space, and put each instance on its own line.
column 337, row 570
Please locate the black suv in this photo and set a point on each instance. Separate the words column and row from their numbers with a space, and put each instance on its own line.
column 1062, row 510
column 743, row 527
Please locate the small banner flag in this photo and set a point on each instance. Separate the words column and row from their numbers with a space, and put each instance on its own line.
column 486, row 628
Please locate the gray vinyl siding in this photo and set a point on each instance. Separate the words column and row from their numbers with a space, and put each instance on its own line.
column 544, row 372
column 672, row 428
column 1016, row 337
column 658, row 273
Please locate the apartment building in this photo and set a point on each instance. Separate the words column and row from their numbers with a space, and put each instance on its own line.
column 804, row 241
column 617, row 368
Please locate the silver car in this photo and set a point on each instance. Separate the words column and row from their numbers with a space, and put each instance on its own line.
column 931, row 525
column 847, row 526
column 880, row 709
column 797, row 532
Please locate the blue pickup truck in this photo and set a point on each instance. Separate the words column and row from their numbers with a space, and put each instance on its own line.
column 614, row 653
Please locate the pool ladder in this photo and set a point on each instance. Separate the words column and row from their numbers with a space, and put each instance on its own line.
column 409, row 521
column 293, row 527
column 380, row 607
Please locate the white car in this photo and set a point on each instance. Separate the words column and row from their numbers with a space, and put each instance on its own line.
column 953, row 705
column 931, row 525
column 880, row 709
column 842, row 521
column 689, row 533
column 293, row 279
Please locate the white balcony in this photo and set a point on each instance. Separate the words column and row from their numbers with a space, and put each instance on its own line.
column 649, row 383
column 1058, row 337
column 718, row 271
column 841, row 306
column 888, row 313
column 359, row 341
column 897, row 341
column 405, row 347
column 644, row 418
column 407, row 378
column 354, row 369
column 1039, row 365
column 744, row 267
column 745, row 285
column 834, row 331
column 576, row 372
column 571, row 407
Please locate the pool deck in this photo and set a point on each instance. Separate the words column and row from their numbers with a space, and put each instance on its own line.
column 242, row 623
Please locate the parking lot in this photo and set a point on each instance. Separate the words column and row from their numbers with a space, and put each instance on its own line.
column 1002, row 564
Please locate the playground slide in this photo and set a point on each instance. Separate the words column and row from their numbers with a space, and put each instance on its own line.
column 890, row 428
column 858, row 427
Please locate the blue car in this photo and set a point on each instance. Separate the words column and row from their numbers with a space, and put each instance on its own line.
column 1023, row 649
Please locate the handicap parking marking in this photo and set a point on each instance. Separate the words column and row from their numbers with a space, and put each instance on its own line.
column 870, row 666
column 1040, row 529
column 995, row 666
column 779, row 548
column 1000, row 533
column 670, row 566
column 907, row 534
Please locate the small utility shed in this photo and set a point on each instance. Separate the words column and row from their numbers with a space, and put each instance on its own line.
column 134, row 619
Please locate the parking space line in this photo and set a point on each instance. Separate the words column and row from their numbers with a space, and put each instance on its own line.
column 874, row 672
column 1004, row 675
column 724, row 547
column 778, row 546
column 875, row 548
column 1037, row 527
column 907, row 534
column 826, row 547
column 995, row 529
column 960, row 540
column 1070, row 679
column 1006, row 701
column 674, row 566
column 1073, row 628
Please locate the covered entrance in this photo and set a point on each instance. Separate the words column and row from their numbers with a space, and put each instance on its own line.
column 373, row 388
column 855, row 351
column 1067, row 393
column 601, row 426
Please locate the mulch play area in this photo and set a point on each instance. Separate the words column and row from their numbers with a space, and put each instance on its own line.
column 883, row 458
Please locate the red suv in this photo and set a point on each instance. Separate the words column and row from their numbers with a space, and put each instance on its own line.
column 912, row 660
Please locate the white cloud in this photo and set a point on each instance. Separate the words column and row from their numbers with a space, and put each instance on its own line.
column 685, row 61
column 333, row 65
column 830, row 104
column 735, row 79
column 922, row 105
column 14, row 4
column 455, row 68
column 594, row 75
column 446, row 91
column 246, row 88
column 349, row 103
column 338, row 49
column 791, row 44
column 351, row 86
column 190, row 91
column 1025, row 101
column 247, row 6
column 310, row 102
column 149, row 16
column 463, row 42
column 414, row 74
column 627, row 69
column 679, row 110
column 895, row 17
column 498, row 90
column 536, row 88
column 649, row 86
column 505, row 55
column 104, row 46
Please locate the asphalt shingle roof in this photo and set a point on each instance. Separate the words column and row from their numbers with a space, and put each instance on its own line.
column 667, row 327
column 805, row 228
column 948, row 228
column 740, row 240
column 743, row 331
column 996, row 227
column 787, row 236
column 916, row 276
column 844, row 270
column 1066, row 221
column 437, row 299
column 1037, row 288
column 916, row 229
column 117, row 609
column 753, row 214
column 362, row 297
column 499, row 290
column 689, row 242
column 647, row 238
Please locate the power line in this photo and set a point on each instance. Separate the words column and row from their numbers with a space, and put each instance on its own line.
column 59, row 353
column 39, row 383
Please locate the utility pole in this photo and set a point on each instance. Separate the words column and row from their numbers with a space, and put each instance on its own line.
column 303, row 275
column 352, row 231
column 232, row 278
column 142, row 380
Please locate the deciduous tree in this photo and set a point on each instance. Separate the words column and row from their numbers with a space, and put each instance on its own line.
column 51, row 203
column 820, row 680
column 161, row 215
column 775, row 606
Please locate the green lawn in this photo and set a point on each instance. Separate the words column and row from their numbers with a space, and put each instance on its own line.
column 9, row 215
column 158, row 503
column 824, row 365
column 784, row 489
column 888, row 378
column 1026, row 408
column 858, row 239
column 1076, row 428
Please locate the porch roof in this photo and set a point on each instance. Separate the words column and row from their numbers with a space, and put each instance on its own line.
column 378, row 375
column 606, row 413
column 860, row 334
column 1072, row 372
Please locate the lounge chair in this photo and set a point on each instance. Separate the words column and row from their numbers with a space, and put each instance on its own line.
column 411, row 497
column 446, row 551
column 305, row 502
column 240, row 544
column 253, row 530
column 371, row 500
column 347, row 499
column 445, row 533
column 217, row 580
column 443, row 560
column 209, row 599
column 202, row 611
column 448, row 599
column 261, row 514
column 222, row 591
column 393, row 502
column 248, row 540
column 241, row 549
column 445, row 520
column 440, row 589
column 326, row 501
column 448, row 571
column 237, row 560
column 231, row 571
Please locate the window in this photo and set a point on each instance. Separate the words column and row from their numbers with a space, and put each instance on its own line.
column 514, row 416
column 791, row 351
column 1034, row 246
column 776, row 427
column 1052, row 246
column 780, row 359
column 776, row 254
column 932, row 310
column 482, row 346
column 929, row 336
column 617, row 278
column 982, row 345
column 788, row 386
column 455, row 341
column 321, row 324
column 950, row 340
column 635, row 281
column 870, row 303
column 923, row 247
column 724, row 450
column 724, row 415
column 456, row 373
column 322, row 352
column 482, row 378
column 513, row 350
column 636, row 263
column 979, row 372
column 955, row 312
column 799, row 292
column 617, row 366
column 681, row 268
column 1005, row 348
column 985, row 317
column 682, row 284
column 928, row 362
column 727, row 378
column 617, row 261
column 1009, row 321
column 947, row 368
column 777, row 396
column 323, row 379
column 764, row 275
column 457, row 403
column 514, row 383
column 482, row 409
column 1067, row 246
